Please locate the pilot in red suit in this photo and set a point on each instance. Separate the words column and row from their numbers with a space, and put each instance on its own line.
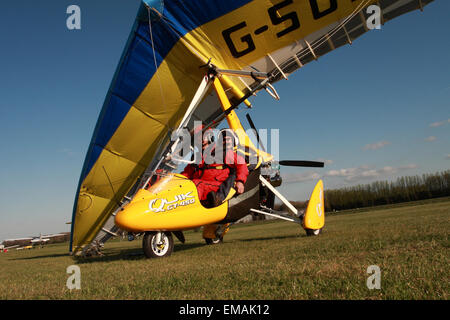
column 214, row 180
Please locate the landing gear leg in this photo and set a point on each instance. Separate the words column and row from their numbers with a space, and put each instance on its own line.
column 213, row 234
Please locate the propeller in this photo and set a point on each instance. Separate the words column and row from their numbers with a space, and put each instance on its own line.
column 302, row 163
column 250, row 121
column 289, row 163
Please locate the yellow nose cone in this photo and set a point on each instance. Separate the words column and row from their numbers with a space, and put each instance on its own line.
column 127, row 220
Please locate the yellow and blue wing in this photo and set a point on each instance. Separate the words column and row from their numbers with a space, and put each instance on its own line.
column 159, row 73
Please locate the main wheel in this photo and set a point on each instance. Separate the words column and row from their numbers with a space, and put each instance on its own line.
column 214, row 241
column 153, row 248
column 312, row 232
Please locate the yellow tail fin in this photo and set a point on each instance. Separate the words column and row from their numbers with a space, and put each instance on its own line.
column 314, row 218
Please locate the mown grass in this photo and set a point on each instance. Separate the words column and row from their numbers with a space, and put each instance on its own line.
column 266, row 260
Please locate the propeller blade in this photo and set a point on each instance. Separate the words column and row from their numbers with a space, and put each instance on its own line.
column 301, row 163
column 250, row 121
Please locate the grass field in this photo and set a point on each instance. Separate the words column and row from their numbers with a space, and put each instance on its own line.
column 266, row 260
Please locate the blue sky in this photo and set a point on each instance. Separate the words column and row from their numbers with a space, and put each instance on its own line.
column 375, row 110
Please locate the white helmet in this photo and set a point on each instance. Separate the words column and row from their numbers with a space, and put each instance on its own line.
column 229, row 133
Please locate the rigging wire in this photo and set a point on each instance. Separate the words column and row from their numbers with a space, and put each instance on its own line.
column 303, row 53
column 181, row 37
column 340, row 26
column 154, row 57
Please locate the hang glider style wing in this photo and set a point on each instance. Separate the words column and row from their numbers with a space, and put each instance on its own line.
column 159, row 73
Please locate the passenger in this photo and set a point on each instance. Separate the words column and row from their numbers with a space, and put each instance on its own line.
column 214, row 180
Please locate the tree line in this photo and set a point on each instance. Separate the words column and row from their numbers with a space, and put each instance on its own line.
column 410, row 188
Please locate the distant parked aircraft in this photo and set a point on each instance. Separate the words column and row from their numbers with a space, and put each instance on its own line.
column 43, row 239
column 28, row 243
column 5, row 249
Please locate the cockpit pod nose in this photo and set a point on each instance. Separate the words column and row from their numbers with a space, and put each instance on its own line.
column 166, row 205
column 129, row 216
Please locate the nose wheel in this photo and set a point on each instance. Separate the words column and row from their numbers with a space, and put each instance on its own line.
column 214, row 241
column 313, row 232
column 157, row 244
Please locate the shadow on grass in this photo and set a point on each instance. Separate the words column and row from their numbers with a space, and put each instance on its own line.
column 43, row 257
column 117, row 254
column 138, row 254
column 113, row 254
column 130, row 254
column 272, row 238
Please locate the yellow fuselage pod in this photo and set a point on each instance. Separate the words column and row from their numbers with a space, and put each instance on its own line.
column 171, row 204
column 315, row 216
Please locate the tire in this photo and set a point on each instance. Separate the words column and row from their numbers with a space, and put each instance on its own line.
column 152, row 249
column 213, row 241
column 312, row 232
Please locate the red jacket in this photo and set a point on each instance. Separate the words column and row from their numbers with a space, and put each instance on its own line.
column 217, row 173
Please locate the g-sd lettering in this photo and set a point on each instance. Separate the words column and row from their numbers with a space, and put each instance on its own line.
column 317, row 14
column 244, row 39
column 276, row 20
column 290, row 18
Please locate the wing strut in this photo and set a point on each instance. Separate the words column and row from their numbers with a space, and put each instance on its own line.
column 278, row 67
column 257, row 76
column 279, row 215
column 279, row 195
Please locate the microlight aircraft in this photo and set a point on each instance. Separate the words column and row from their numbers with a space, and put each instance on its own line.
column 199, row 60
